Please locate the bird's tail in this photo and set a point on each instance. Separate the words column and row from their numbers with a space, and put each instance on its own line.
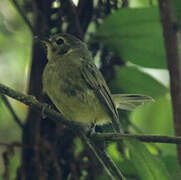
column 130, row 101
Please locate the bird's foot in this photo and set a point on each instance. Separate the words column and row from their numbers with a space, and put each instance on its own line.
column 45, row 106
column 91, row 129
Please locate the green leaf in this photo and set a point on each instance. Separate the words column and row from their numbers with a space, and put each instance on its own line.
column 136, row 35
column 149, row 167
column 177, row 4
column 132, row 80
column 156, row 118
column 160, row 118
column 171, row 162
column 142, row 3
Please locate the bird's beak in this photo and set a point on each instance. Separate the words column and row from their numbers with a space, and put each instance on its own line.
column 46, row 41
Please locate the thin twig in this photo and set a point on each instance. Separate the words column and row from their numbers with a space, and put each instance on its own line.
column 144, row 138
column 23, row 16
column 110, row 163
column 91, row 147
column 6, row 155
column 13, row 144
column 8, row 105
column 139, row 131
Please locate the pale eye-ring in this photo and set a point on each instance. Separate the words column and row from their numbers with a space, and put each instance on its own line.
column 59, row 41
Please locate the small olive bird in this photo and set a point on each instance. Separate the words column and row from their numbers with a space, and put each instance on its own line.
column 76, row 86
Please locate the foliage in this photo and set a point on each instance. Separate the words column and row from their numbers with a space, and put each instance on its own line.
column 134, row 34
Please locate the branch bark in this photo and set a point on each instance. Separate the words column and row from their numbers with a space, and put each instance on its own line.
column 54, row 115
column 117, row 137
column 36, row 105
column 172, row 34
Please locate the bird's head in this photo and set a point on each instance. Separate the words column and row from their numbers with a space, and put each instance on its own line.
column 63, row 44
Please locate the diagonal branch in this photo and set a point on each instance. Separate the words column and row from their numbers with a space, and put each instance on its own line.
column 13, row 144
column 36, row 105
column 13, row 113
column 91, row 147
column 110, row 163
column 23, row 16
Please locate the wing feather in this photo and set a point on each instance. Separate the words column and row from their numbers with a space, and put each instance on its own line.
column 96, row 81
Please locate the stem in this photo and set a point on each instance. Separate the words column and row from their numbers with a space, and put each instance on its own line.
column 13, row 113
column 110, row 163
column 144, row 138
column 171, row 34
column 23, row 16
column 91, row 147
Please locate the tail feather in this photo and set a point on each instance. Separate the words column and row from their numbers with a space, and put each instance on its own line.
column 130, row 101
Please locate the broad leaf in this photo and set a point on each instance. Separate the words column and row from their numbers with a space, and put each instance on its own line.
column 136, row 35
column 142, row 3
column 156, row 118
column 149, row 167
column 177, row 4
column 132, row 80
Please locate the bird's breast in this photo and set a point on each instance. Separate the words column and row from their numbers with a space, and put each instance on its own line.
column 72, row 96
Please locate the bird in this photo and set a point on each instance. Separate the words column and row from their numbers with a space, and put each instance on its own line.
column 76, row 86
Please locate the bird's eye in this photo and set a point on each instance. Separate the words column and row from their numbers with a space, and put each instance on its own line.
column 59, row 41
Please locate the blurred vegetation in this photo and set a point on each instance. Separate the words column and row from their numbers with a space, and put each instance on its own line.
column 135, row 35
column 15, row 53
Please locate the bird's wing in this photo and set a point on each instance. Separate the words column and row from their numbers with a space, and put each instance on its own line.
column 96, row 81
